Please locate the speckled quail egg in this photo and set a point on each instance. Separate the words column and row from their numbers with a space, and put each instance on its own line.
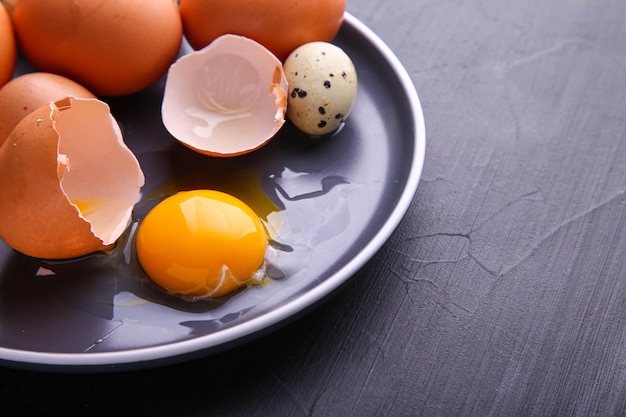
column 322, row 87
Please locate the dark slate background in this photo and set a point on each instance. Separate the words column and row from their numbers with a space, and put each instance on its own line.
column 503, row 291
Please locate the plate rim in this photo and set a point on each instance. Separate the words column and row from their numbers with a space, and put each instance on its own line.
column 198, row 346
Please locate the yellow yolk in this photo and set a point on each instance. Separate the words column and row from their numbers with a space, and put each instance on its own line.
column 201, row 243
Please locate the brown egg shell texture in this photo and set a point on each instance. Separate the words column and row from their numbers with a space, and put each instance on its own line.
column 67, row 180
column 28, row 92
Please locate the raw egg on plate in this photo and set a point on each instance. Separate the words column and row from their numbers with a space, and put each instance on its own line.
column 202, row 244
column 28, row 92
column 281, row 26
column 226, row 99
column 67, row 180
column 8, row 50
column 113, row 47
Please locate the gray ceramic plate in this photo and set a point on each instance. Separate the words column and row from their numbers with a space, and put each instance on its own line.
column 331, row 204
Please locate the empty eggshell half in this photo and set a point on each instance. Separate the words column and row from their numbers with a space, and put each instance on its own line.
column 68, row 182
column 226, row 99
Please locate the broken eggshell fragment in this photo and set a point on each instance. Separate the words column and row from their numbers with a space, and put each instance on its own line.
column 28, row 92
column 226, row 99
column 68, row 182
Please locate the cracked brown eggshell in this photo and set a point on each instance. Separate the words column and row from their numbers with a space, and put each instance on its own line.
column 28, row 92
column 68, row 182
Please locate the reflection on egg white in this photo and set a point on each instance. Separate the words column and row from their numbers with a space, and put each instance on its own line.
column 314, row 210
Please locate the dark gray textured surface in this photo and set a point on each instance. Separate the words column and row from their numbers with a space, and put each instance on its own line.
column 503, row 291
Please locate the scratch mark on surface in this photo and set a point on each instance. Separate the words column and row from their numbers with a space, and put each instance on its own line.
column 551, row 232
column 289, row 392
column 484, row 267
column 457, row 305
column 489, row 187
column 535, row 56
column 455, row 247
column 438, row 235
column 412, row 275
column 521, row 198
column 103, row 338
column 432, row 180
column 462, row 247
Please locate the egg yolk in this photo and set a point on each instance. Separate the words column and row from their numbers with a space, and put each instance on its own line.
column 201, row 243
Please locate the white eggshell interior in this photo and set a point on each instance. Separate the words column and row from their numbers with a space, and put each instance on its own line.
column 97, row 172
column 227, row 98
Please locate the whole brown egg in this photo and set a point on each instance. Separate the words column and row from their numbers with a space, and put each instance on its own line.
column 113, row 47
column 8, row 51
column 279, row 25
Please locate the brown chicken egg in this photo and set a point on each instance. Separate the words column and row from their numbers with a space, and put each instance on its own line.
column 279, row 25
column 67, row 180
column 113, row 47
column 28, row 92
column 8, row 50
column 226, row 99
